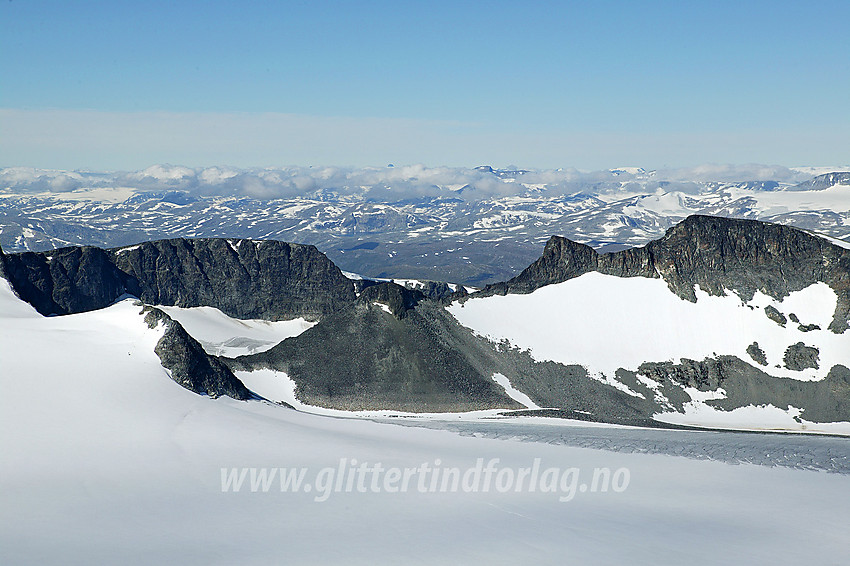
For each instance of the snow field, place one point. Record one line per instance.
(222, 335)
(106, 460)
(603, 323)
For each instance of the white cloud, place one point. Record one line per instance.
(732, 173)
(385, 184)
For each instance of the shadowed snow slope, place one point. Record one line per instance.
(106, 460)
(222, 335)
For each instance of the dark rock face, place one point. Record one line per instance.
(366, 358)
(67, 280)
(799, 357)
(562, 260)
(438, 290)
(189, 364)
(747, 256)
(757, 354)
(706, 375)
(242, 278)
(715, 253)
(775, 315)
(3, 273)
(827, 400)
(399, 299)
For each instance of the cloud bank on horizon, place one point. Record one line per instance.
(391, 183)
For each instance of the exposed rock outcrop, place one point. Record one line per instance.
(705, 375)
(827, 400)
(757, 354)
(774, 315)
(67, 280)
(366, 358)
(397, 298)
(715, 253)
(244, 279)
(799, 357)
(3, 265)
(188, 363)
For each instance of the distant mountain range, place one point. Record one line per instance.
(469, 226)
(719, 321)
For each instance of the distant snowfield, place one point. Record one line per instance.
(762, 204)
(768, 203)
(98, 194)
(820, 170)
(222, 335)
(108, 461)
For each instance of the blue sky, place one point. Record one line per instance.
(114, 85)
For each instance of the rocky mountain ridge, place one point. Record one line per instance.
(467, 226)
(381, 345)
(712, 252)
(825, 181)
(242, 278)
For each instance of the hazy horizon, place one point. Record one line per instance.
(542, 85)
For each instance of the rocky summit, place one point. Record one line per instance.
(242, 278)
(713, 253)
